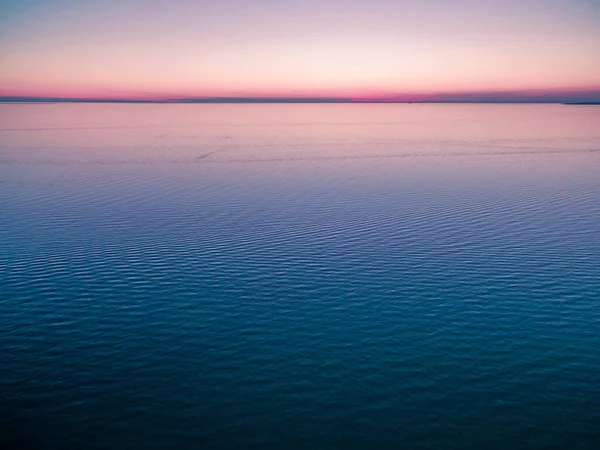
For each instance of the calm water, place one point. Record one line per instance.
(300, 276)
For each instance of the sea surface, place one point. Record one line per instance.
(359, 276)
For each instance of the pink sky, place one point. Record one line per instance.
(341, 48)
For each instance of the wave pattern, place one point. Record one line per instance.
(358, 303)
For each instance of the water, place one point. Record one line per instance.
(300, 276)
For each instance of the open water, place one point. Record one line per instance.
(300, 276)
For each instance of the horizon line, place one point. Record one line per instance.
(241, 100)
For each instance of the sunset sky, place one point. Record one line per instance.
(365, 49)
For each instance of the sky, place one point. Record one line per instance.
(364, 49)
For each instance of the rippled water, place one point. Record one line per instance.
(300, 276)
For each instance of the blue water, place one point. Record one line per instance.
(300, 276)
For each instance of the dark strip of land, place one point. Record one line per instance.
(24, 99)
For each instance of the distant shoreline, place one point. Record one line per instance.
(237, 100)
